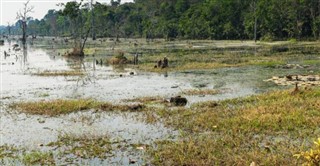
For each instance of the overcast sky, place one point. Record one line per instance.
(9, 8)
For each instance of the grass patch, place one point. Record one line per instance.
(184, 66)
(149, 100)
(267, 129)
(38, 158)
(12, 155)
(201, 92)
(84, 146)
(47, 73)
(268, 63)
(60, 106)
(311, 62)
(228, 54)
(7, 151)
(55, 107)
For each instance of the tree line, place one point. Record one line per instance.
(183, 19)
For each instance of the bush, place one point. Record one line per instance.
(268, 38)
(281, 48)
(292, 40)
(119, 58)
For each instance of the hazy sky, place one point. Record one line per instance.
(9, 8)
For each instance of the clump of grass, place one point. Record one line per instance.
(54, 107)
(203, 65)
(266, 129)
(47, 73)
(118, 58)
(184, 66)
(311, 62)
(60, 106)
(38, 158)
(268, 63)
(84, 146)
(201, 92)
(7, 151)
(151, 101)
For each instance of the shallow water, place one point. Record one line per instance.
(103, 82)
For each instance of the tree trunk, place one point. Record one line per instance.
(319, 16)
(24, 33)
(255, 28)
(92, 23)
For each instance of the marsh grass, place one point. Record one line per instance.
(48, 73)
(266, 129)
(54, 107)
(229, 55)
(311, 62)
(149, 100)
(61, 106)
(87, 147)
(38, 158)
(7, 151)
(201, 92)
(195, 54)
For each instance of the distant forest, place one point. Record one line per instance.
(183, 19)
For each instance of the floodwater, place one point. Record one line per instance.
(19, 82)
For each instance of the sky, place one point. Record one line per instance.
(9, 8)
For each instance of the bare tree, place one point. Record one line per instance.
(23, 16)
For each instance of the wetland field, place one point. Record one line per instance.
(247, 103)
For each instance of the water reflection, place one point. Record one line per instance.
(75, 63)
(165, 74)
(25, 57)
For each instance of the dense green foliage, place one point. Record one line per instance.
(190, 19)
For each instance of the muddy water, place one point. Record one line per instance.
(102, 82)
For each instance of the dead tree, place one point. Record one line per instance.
(23, 17)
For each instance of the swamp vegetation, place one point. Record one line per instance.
(270, 124)
(94, 84)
